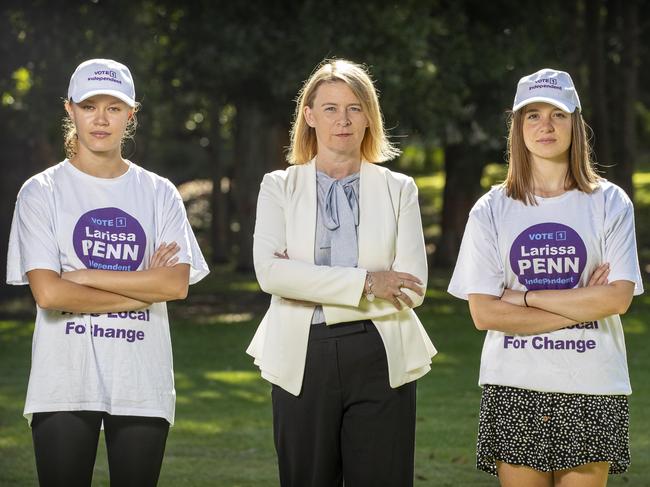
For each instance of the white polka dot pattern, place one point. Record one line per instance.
(551, 431)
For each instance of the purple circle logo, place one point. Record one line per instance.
(110, 239)
(548, 256)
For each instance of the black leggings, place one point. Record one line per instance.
(65, 445)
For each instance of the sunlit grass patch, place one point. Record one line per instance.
(233, 376)
(8, 325)
(250, 396)
(7, 441)
(444, 309)
(223, 434)
(437, 293)
(12, 330)
(250, 286)
(224, 280)
(442, 358)
(223, 318)
(198, 427)
(208, 394)
(183, 381)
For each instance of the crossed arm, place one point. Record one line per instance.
(550, 310)
(338, 289)
(99, 291)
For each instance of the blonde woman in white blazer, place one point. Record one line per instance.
(339, 246)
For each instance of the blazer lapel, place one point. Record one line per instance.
(302, 236)
(374, 215)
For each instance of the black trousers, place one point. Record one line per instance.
(347, 424)
(65, 445)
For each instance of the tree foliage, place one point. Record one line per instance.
(218, 81)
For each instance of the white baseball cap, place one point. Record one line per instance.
(102, 77)
(548, 86)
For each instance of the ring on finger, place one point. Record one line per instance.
(401, 284)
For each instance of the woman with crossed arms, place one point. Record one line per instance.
(103, 244)
(548, 262)
(339, 246)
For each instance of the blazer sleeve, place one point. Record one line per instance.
(410, 256)
(291, 278)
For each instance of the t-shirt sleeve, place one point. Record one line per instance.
(174, 227)
(478, 268)
(32, 240)
(620, 243)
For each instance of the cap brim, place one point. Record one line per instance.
(567, 107)
(117, 94)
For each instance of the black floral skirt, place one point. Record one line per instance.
(551, 431)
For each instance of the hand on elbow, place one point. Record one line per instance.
(417, 300)
(391, 286)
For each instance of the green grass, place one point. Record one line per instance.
(223, 434)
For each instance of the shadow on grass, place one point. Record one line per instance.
(223, 431)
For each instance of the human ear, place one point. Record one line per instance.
(309, 117)
(68, 108)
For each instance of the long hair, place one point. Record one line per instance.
(375, 146)
(519, 181)
(71, 142)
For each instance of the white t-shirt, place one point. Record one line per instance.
(555, 245)
(118, 362)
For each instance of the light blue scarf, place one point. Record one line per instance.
(339, 213)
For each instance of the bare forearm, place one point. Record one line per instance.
(152, 285)
(585, 303)
(495, 314)
(83, 299)
(52, 292)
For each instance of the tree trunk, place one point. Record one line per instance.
(220, 200)
(258, 149)
(597, 80)
(629, 71)
(463, 169)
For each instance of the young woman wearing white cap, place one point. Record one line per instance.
(103, 244)
(548, 262)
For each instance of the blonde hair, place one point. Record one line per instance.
(519, 181)
(375, 146)
(70, 140)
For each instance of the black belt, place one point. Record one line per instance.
(321, 331)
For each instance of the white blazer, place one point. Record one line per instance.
(389, 238)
